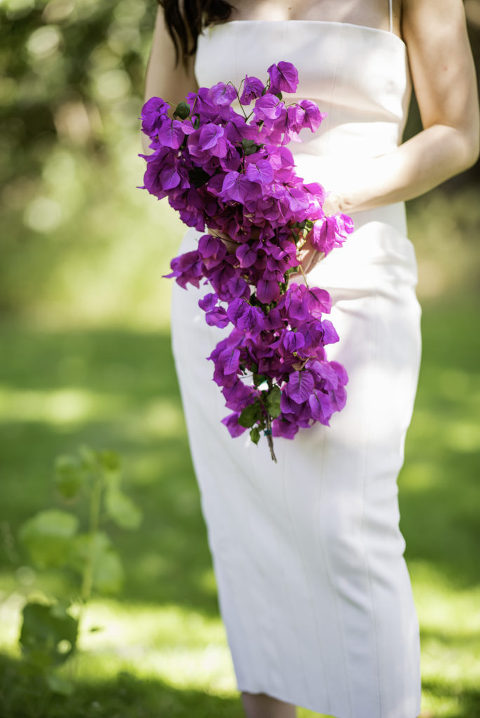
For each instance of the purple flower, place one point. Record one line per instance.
(284, 426)
(231, 422)
(319, 301)
(252, 88)
(154, 113)
(186, 268)
(331, 232)
(268, 107)
(300, 386)
(239, 188)
(210, 138)
(283, 77)
(312, 117)
(321, 406)
(208, 302)
(170, 134)
(222, 170)
(267, 291)
(260, 171)
(217, 317)
(293, 341)
(222, 94)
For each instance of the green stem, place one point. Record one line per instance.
(95, 503)
(269, 423)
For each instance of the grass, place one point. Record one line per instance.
(163, 650)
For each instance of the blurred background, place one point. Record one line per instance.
(86, 358)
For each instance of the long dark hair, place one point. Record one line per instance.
(185, 26)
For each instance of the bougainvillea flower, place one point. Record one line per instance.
(252, 88)
(283, 77)
(231, 175)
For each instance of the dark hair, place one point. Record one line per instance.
(184, 26)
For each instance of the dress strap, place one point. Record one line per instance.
(390, 14)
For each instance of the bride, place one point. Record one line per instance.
(308, 555)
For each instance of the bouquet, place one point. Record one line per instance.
(230, 173)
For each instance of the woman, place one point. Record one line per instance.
(313, 587)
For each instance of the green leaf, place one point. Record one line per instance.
(47, 636)
(89, 458)
(250, 146)
(182, 110)
(273, 401)
(109, 461)
(108, 574)
(48, 537)
(255, 434)
(69, 475)
(121, 509)
(258, 379)
(58, 684)
(107, 570)
(250, 414)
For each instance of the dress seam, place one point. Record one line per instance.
(329, 577)
(374, 344)
(307, 579)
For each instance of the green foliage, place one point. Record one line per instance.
(69, 476)
(48, 635)
(49, 632)
(250, 146)
(107, 573)
(182, 110)
(166, 619)
(273, 401)
(255, 434)
(250, 415)
(48, 536)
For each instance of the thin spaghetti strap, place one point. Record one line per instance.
(390, 12)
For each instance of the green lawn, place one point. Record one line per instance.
(162, 650)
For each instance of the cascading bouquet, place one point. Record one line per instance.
(232, 174)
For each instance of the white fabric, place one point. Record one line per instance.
(313, 586)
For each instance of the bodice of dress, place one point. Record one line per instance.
(357, 75)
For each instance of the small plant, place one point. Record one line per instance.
(55, 539)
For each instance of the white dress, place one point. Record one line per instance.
(313, 586)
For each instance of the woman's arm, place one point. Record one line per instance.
(443, 75)
(162, 78)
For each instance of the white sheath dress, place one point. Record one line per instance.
(313, 587)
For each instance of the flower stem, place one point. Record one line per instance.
(304, 276)
(270, 439)
(268, 431)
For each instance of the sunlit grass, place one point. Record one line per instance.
(163, 645)
(187, 650)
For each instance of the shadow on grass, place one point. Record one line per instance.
(467, 699)
(125, 696)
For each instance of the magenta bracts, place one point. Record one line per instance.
(230, 173)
